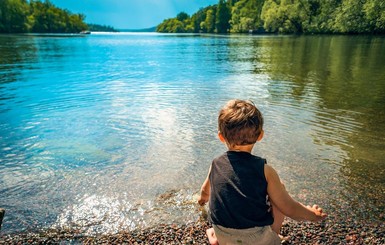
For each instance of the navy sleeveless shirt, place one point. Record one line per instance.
(238, 191)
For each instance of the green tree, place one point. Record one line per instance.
(374, 11)
(37, 16)
(222, 17)
(284, 16)
(97, 27)
(322, 15)
(172, 25)
(13, 16)
(182, 23)
(287, 16)
(197, 19)
(182, 16)
(246, 15)
(77, 23)
(45, 17)
(350, 17)
(209, 24)
(232, 2)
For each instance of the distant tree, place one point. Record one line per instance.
(209, 24)
(188, 26)
(222, 17)
(197, 19)
(182, 16)
(172, 25)
(283, 16)
(232, 2)
(37, 16)
(13, 16)
(96, 27)
(78, 23)
(350, 17)
(163, 27)
(246, 15)
(322, 15)
(366, 16)
(287, 16)
(375, 15)
(182, 23)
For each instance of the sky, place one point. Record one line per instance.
(131, 14)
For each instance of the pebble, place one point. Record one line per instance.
(332, 232)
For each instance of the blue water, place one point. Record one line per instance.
(111, 132)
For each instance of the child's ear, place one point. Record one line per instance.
(261, 135)
(221, 138)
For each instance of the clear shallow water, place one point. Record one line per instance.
(116, 131)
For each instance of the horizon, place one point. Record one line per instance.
(133, 14)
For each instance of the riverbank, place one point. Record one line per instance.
(328, 232)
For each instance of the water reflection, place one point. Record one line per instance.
(341, 80)
(94, 214)
(16, 54)
(110, 123)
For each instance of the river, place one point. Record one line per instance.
(114, 132)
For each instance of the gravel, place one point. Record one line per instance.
(330, 231)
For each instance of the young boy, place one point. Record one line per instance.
(247, 201)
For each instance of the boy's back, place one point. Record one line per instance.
(238, 184)
(238, 179)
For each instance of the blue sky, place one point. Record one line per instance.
(131, 14)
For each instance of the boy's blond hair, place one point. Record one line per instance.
(240, 122)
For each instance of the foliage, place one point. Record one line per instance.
(222, 18)
(96, 27)
(349, 17)
(375, 15)
(209, 24)
(202, 21)
(288, 16)
(198, 18)
(283, 16)
(360, 16)
(182, 16)
(246, 15)
(36, 16)
(13, 16)
(172, 25)
(320, 15)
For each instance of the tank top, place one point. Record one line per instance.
(238, 194)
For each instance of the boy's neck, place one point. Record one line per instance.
(242, 148)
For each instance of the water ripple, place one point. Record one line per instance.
(115, 132)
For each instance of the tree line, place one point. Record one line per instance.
(19, 16)
(97, 27)
(283, 16)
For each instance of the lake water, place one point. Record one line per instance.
(114, 132)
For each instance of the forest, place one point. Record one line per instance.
(234, 16)
(97, 27)
(20, 16)
(283, 16)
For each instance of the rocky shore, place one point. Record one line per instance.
(328, 232)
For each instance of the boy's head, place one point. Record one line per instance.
(240, 122)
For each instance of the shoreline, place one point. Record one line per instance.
(326, 232)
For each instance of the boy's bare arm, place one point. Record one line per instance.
(205, 191)
(285, 203)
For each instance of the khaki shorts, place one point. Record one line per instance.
(253, 236)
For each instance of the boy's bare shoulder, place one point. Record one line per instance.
(268, 168)
(269, 172)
